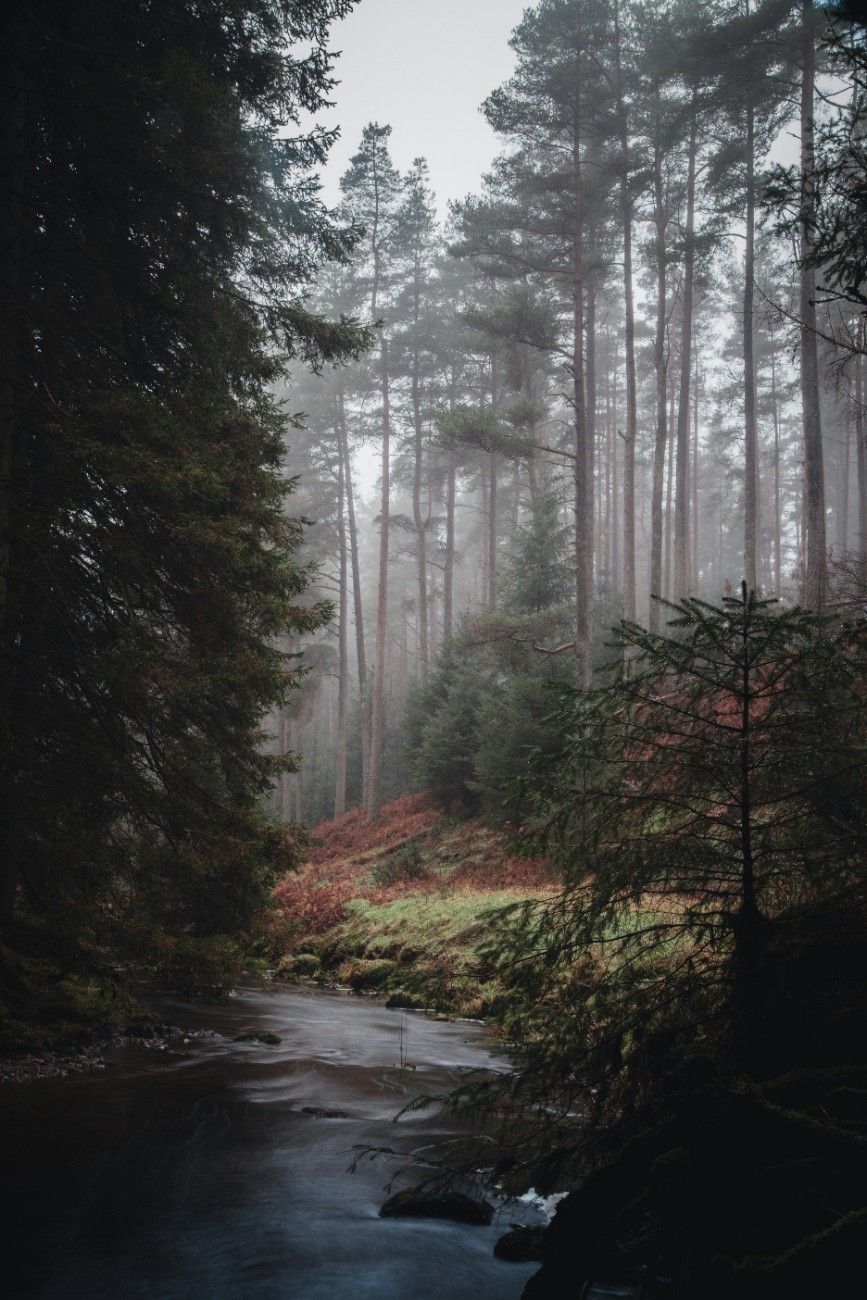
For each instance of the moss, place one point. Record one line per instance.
(299, 965)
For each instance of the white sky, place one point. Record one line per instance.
(424, 67)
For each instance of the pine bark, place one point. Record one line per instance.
(682, 567)
(629, 605)
(814, 585)
(377, 709)
(341, 748)
(661, 366)
(751, 433)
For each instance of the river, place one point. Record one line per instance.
(197, 1172)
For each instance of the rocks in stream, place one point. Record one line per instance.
(269, 1039)
(521, 1244)
(433, 1203)
(325, 1112)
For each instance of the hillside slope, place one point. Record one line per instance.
(399, 907)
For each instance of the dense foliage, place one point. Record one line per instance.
(160, 230)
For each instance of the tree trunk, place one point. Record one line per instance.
(693, 480)
(629, 606)
(682, 567)
(775, 407)
(377, 711)
(449, 572)
(492, 532)
(590, 408)
(861, 458)
(814, 585)
(421, 523)
(751, 459)
(661, 364)
(342, 648)
(669, 493)
(583, 453)
(358, 609)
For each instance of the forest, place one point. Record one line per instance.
(460, 604)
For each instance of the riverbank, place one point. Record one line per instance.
(400, 908)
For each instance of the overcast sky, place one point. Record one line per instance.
(423, 66)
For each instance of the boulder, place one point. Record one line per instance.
(521, 1244)
(434, 1203)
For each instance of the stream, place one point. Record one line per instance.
(197, 1172)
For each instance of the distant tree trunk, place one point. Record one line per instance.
(669, 492)
(432, 622)
(590, 390)
(751, 432)
(421, 523)
(449, 574)
(661, 364)
(775, 408)
(583, 454)
(843, 494)
(814, 586)
(682, 568)
(377, 711)
(342, 648)
(358, 609)
(492, 532)
(614, 461)
(861, 457)
(629, 606)
(693, 479)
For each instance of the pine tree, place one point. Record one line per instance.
(162, 234)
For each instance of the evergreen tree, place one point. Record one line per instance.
(159, 236)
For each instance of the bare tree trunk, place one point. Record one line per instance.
(751, 460)
(861, 458)
(358, 609)
(583, 452)
(590, 408)
(342, 648)
(377, 712)
(615, 485)
(682, 567)
(669, 493)
(661, 364)
(775, 407)
(421, 523)
(629, 606)
(449, 574)
(693, 479)
(814, 586)
(492, 532)
(843, 494)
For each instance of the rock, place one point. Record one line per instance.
(324, 1112)
(430, 1203)
(521, 1244)
(270, 1039)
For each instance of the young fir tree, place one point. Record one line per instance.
(703, 807)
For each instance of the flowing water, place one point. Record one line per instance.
(198, 1173)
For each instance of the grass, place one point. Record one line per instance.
(400, 907)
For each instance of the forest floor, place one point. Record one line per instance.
(399, 907)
